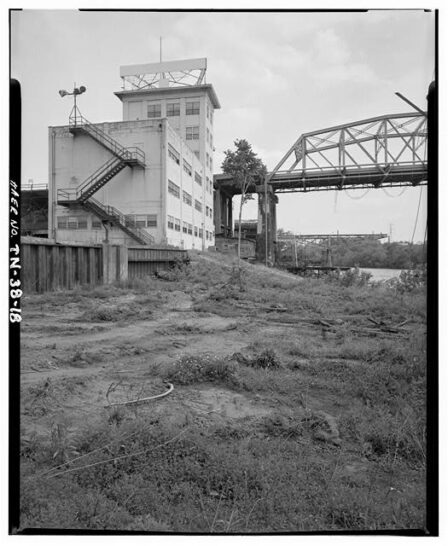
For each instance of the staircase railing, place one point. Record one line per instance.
(104, 170)
(132, 153)
(125, 222)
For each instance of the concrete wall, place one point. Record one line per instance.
(133, 190)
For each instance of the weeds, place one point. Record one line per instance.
(199, 369)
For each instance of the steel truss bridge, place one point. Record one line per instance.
(383, 151)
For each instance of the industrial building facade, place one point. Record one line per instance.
(144, 180)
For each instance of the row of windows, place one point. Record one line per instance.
(175, 223)
(141, 220)
(173, 109)
(132, 220)
(174, 189)
(72, 222)
(187, 228)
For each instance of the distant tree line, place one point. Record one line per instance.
(355, 252)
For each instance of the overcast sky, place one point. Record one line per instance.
(277, 75)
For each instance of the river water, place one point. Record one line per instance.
(382, 274)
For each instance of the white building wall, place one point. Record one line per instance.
(137, 191)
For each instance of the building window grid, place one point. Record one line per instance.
(173, 189)
(186, 198)
(192, 133)
(173, 109)
(187, 167)
(198, 178)
(174, 154)
(192, 108)
(72, 222)
(154, 111)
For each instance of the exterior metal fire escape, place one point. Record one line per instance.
(82, 195)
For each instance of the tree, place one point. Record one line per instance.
(245, 168)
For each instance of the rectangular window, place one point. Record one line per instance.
(184, 227)
(187, 168)
(151, 220)
(154, 110)
(201, 232)
(140, 220)
(195, 231)
(186, 197)
(176, 224)
(211, 116)
(206, 159)
(173, 189)
(72, 222)
(198, 205)
(170, 222)
(211, 141)
(192, 108)
(198, 178)
(196, 154)
(192, 133)
(174, 154)
(190, 229)
(96, 224)
(173, 109)
(208, 136)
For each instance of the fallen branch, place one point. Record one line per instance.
(139, 400)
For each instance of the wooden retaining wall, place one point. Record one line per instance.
(47, 265)
(143, 261)
(50, 266)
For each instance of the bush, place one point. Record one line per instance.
(198, 369)
(267, 359)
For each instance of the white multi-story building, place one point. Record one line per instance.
(148, 178)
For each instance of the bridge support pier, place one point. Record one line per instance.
(267, 226)
(223, 213)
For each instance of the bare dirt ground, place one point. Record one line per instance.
(291, 410)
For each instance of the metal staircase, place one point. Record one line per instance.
(132, 156)
(82, 195)
(107, 213)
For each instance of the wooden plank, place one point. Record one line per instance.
(55, 271)
(41, 284)
(91, 262)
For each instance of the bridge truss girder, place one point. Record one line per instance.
(384, 151)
